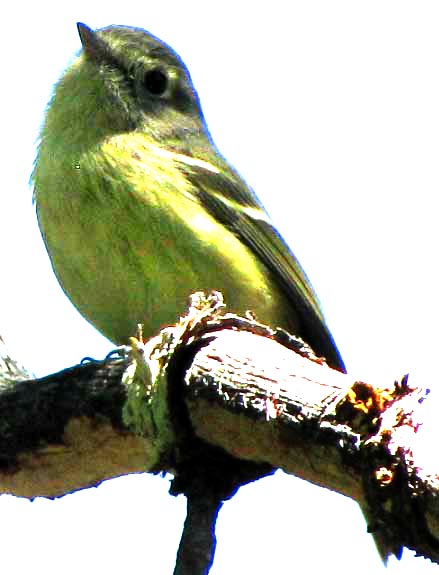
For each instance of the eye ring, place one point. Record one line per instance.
(156, 81)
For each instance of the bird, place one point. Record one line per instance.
(138, 208)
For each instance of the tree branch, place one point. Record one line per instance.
(64, 432)
(267, 403)
(220, 401)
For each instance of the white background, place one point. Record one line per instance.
(330, 111)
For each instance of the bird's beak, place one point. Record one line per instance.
(92, 44)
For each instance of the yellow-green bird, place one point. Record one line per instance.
(138, 209)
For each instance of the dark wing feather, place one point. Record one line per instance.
(229, 200)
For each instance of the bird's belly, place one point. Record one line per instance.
(122, 269)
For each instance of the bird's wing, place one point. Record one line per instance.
(226, 196)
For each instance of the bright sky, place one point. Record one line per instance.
(330, 111)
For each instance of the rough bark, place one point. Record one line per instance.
(235, 401)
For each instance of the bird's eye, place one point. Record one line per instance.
(156, 81)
